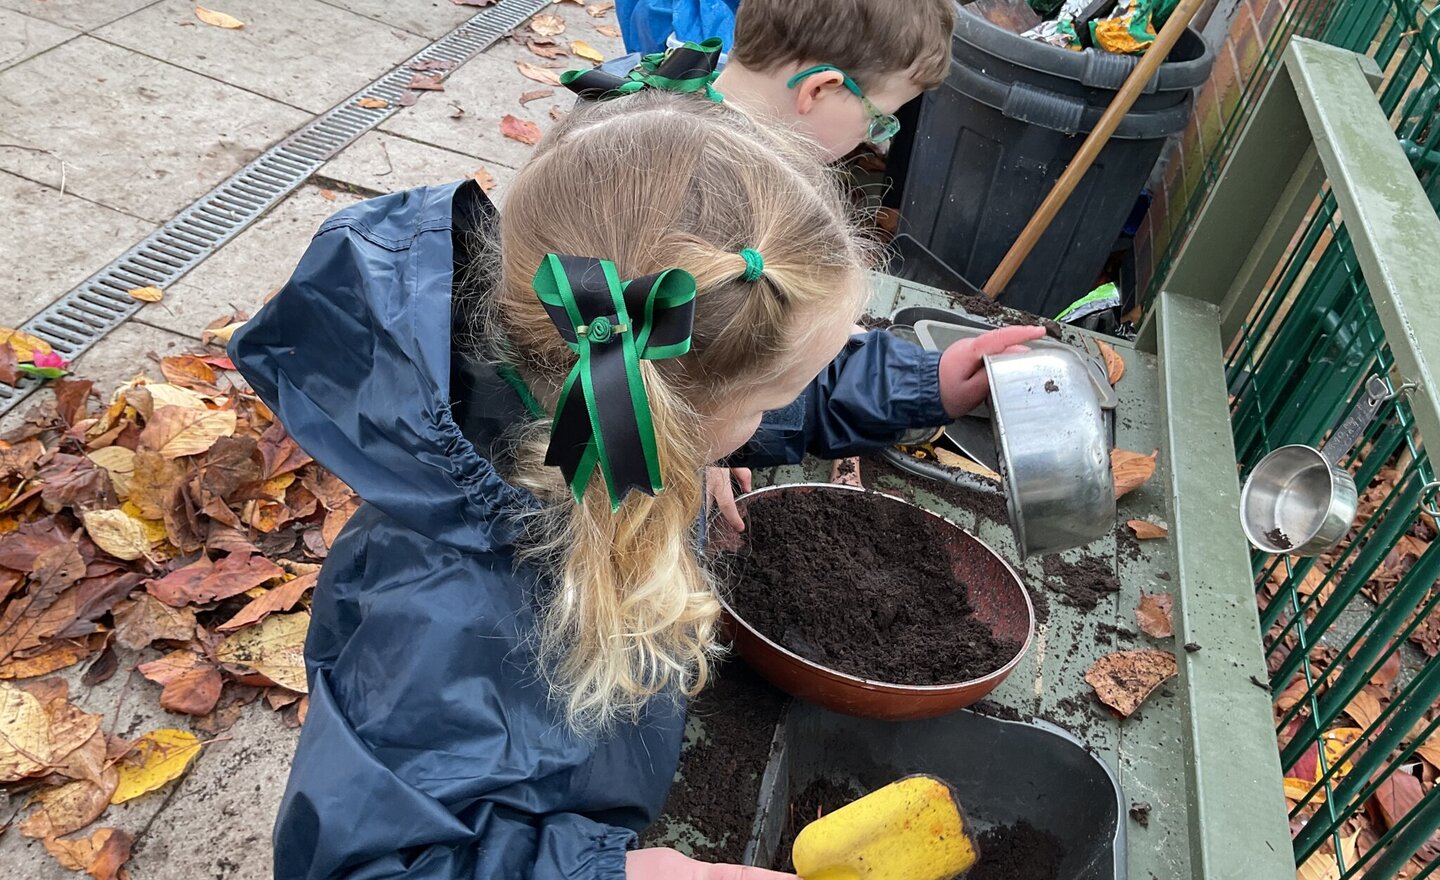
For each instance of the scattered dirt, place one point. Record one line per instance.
(845, 467)
(1083, 583)
(990, 506)
(1140, 812)
(1278, 538)
(718, 787)
(984, 307)
(874, 322)
(860, 584)
(992, 709)
(1105, 632)
(1051, 387)
(821, 797)
(1018, 852)
(1191, 647)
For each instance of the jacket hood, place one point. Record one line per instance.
(354, 357)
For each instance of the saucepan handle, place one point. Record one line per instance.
(1344, 438)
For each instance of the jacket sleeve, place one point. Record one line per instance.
(872, 393)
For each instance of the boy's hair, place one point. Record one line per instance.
(867, 39)
(652, 182)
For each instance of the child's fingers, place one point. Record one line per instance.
(1000, 339)
(744, 872)
(744, 477)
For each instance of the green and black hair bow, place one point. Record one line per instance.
(686, 69)
(603, 417)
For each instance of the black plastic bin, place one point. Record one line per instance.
(980, 153)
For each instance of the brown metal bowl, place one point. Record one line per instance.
(996, 593)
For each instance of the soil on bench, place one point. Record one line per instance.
(1018, 852)
(717, 790)
(820, 798)
(984, 307)
(990, 506)
(1083, 583)
(859, 583)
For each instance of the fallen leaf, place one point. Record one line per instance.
(276, 599)
(426, 83)
(1146, 530)
(147, 294)
(367, 104)
(176, 431)
(433, 64)
(194, 372)
(522, 130)
(535, 95)
(952, 460)
(153, 480)
(1131, 469)
(20, 459)
(1307, 772)
(119, 463)
(117, 533)
(557, 114)
(1320, 866)
(1364, 708)
(169, 667)
(484, 178)
(1397, 796)
(55, 569)
(1154, 615)
(62, 656)
(35, 735)
(203, 581)
(335, 521)
(608, 30)
(145, 619)
(586, 51)
(67, 808)
(159, 757)
(598, 9)
(1124, 679)
(275, 648)
(193, 692)
(539, 74)
(24, 344)
(456, 111)
(280, 454)
(1388, 671)
(480, 3)
(102, 668)
(9, 363)
(218, 19)
(72, 398)
(547, 25)
(547, 47)
(1114, 364)
(101, 855)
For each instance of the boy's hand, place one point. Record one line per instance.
(719, 490)
(667, 864)
(963, 384)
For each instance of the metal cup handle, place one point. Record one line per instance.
(1344, 438)
(1430, 498)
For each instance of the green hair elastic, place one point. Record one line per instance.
(754, 265)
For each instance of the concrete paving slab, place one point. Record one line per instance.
(245, 271)
(380, 162)
(428, 18)
(64, 238)
(124, 354)
(306, 53)
(134, 133)
(82, 15)
(23, 36)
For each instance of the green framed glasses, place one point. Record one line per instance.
(883, 126)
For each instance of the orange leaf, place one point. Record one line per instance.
(67, 808)
(1131, 469)
(147, 294)
(1155, 615)
(202, 581)
(1114, 364)
(1124, 679)
(608, 30)
(484, 178)
(101, 855)
(1146, 530)
(539, 74)
(193, 692)
(218, 19)
(277, 599)
(169, 667)
(372, 103)
(535, 95)
(1364, 709)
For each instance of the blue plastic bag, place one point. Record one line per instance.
(647, 24)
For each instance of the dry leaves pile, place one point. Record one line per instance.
(178, 520)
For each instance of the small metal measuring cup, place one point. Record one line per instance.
(1298, 500)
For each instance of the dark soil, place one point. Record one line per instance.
(1018, 852)
(1106, 632)
(1278, 538)
(874, 322)
(718, 785)
(1140, 812)
(1051, 387)
(1082, 583)
(984, 307)
(860, 584)
(845, 467)
(819, 798)
(992, 709)
(990, 506)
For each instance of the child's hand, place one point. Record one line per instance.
(963, 384)
(667, 864)
(719, 490)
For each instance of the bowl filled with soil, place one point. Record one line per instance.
(865, 604)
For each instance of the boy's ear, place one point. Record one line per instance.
(812, 88)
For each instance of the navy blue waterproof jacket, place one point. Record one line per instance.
(430, 750)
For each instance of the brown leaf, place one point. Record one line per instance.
(67, 808)
(535, 95)
(72, 398)
(61, 656)
(1388, 672)
(280, 454)
(522, 130)
(1364, 708)
(1123, 679)
(608, 30)
(147, 294)
(598, 9)
(547, 47)
(1114, 364)
(539, 74)
(55, 569)
(233, 462)
(557, 114)
(202, 581)
(275, 648)
(367, 104)
(433, 64)
(169, 667)
(176, 431)
(586, 51)
(152, 483)
(425, 83)
(480, 3)
(119, 463)
(547, 25)
(190, 371)
(21, 459)
(77, 482)
(336, 520)
(37, 735)
(276, 599)
(145, 619)
(20, 549)
(1155, 614)
(1146, 530)
(9, 365)
(102, 668)
(193, 692)
(328, 194)
(484, 178)
(218, 19)
(1396, 797)
(1131, 469)
(102, 855)
(117, 533)
(328, 488)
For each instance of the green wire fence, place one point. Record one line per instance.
(1352, 636)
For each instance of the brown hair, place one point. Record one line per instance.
(867, 39)
(651, 182)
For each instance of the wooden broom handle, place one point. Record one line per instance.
(1124, 99)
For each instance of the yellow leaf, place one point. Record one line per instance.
(176, 431)
(218, 19)
(117, 533)
(159, 757)
(165, 394)
(1146, 530)
(951, 460)
(1320, 866)
(224, 333)
(154, 528)
(1131, 469)
(36, 735)
(586, 51)
(147, 294)
(25, 345)
(119, 463)
(275, 648)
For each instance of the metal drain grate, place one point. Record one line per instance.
(102, 302)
